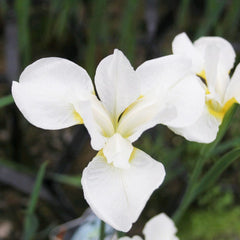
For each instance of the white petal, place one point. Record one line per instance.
(47, 91)
(118, 196)
(166, 96)
(188, 97)
(226, 51)
(212, 57)
(183, 46)
(160, 227)
(217, 74)
(204, 130)
(233, 90)
(97, 121)
(114, 237)
(131, 238)
(143, 114)
(219, 58)
(158, 75)
(118, 151)
(116, 83)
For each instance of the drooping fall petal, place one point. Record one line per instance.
(48, 90)
(117, 195)
(204, 130)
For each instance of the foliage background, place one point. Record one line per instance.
(85, 31)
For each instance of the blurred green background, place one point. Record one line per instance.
(86, 31)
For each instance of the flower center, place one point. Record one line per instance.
(215, 108)
(118, 150)
(218, 110)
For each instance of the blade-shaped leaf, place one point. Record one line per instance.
(213, 12)
(183, 13)
(31, 223)
(4, 101)
(218, 168)
(128, 29)
(95, 27)
(66, 179)
(23, 8)
(204, 155)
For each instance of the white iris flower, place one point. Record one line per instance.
(160, 227)
(212, 60)
(54, 93)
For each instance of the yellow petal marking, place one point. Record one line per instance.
(202, 75)
(217, 110)
(130, 107)
(100, 153)
(77, 117)
(132, 156)
(207, 91)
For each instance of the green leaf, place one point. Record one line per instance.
(30, 225)
(128, 29)
(204, 155)
(95, 27)
(60, 16)
(102, 231)
(22, 8)
(60, 178)
(212, 14)
(207, 149)
(231, 20)
(226, 145)
(4, 101)
(183, 13)
(31, 222)
(214, 173)
(65, 179)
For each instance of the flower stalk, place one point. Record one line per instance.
(102, 230)
(205, 153)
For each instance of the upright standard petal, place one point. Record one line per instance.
(47, 91)
(160, 227)
(226, 51)
(233, 90)
(116, 83)
(160, 74)
(170, 81)
(219, 57)
(217, 74)
(117, 196)
(183, 46)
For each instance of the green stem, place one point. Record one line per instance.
(204, 155)
(102, 230)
